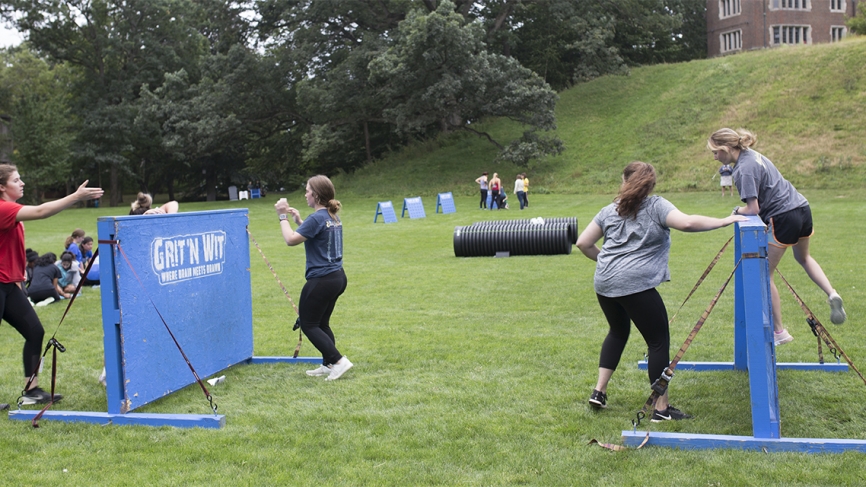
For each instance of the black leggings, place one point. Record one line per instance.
(647, 310)
(43, 294)
(315, 307)
(483, 203)
(18, 312)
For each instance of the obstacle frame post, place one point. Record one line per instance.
(754, 352)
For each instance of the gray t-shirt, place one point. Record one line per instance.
(634, 256)
(756, 177)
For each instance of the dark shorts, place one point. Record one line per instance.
(788, 228)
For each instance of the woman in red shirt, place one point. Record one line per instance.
(14, 307)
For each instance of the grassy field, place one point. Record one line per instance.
(469, 371)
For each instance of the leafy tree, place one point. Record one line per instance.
(206, 124)
(35, 96)
(439, 76)
(119, 47)
(563, 41)
(857, 23)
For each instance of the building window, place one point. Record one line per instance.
(837, 32)
(792, 34)
(729, 8)
(731, 41)
(837, 5)
(791, 4)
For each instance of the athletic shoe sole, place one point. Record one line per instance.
(837, 312)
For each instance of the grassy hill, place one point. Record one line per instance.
(807, 104)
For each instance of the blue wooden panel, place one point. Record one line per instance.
(215, 421)
(446, 202)
(386, 209)
(414, 206)
(194, 269)
(691, 441)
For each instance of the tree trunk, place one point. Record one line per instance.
(367, 142)
(210, 182)
(115, 187)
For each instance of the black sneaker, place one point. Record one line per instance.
(38, 396)
(669, 414)
(598, 399)
(3, 406)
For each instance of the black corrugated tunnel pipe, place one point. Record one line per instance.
(514, 238)
(572, 220)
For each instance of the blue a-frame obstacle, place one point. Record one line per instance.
(194, 268)
(754, 352)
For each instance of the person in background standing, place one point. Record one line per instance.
(482, 182)
(518, 190)
(725, 178)
(526, 190)
(495, 185)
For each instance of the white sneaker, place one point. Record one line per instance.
(320, 372)
(782, 337)
(339, 368)
(45, 302)
(837, 312)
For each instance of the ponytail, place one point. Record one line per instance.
(77, 233)
(639, 180)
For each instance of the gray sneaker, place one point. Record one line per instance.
(320, 372)
(837, 312)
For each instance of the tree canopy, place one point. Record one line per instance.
(195, 95)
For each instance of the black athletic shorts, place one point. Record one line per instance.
(788, 228)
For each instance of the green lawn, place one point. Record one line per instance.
(468, 371)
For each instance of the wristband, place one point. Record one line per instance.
(284, 218)
(736, 211)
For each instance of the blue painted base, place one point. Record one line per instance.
(711, 366)
(141, 419)
(284, 360)
(151, 419)
(691, 441)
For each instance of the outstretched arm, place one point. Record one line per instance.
(699, 223)
(83, 193)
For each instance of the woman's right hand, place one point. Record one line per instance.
(296, 215)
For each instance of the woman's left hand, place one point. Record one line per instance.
(282, 206)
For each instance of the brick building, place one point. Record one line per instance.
(740, 25)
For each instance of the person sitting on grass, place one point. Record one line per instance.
(45, 287)
(69, 273)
